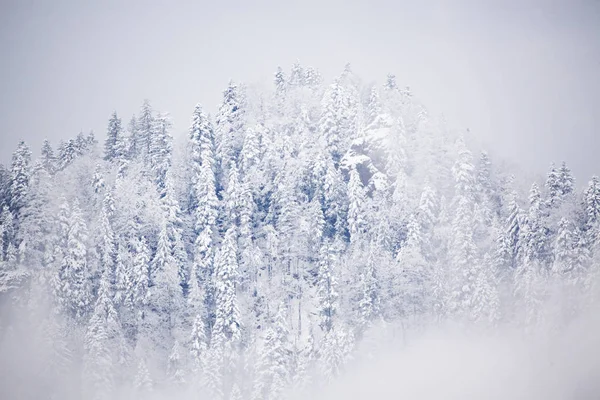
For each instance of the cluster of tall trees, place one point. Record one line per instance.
(256, 256)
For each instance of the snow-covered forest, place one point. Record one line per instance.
(281, 241)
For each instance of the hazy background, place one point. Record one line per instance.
(522, 75)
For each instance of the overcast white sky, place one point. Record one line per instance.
(523, 75)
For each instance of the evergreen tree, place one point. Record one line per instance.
(144, 134)
(159, 149)
(273, 367)
(135, 142)
(74, 291)
(142, 383)
(199, 347)
(107, 246)
(101, 338)
(98, 180)
(390, 83)
(230, 125)
(563, 248)
(20, 176)
(532, 237)
(464, 262)
(67, 153)
(464, 172)
(369, 303)
(280, 82)
(113, 140)
(312, 77)
(512, 232)
(250, 154)
(581, 257)
(374, 107)
(140, 275)
(297, 76)
(553, 186)
(48, 159)
(7, 233)
(335, 350)
(428, 208)
(485, 301)
(332, 120)
(226, 333)
(566, 181)
(175, 372)
(592, 206)
(165, 297)
(355, 209)
(327, 287)
(235, 394)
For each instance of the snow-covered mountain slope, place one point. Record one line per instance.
(263, 254)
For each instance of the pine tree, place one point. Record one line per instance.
(327, 287)
(204, 206)
(101, 339)
(144, 132)
(374, 107)
(107, 246)
(48, 159)
(369, 303)
(20, 176)
(592, 207)
(199, 347)
(355, 209)
(332, 120)
(334, 201)
(464, 260)
(235, 394)
(553, 186)
(563, 248)
(273, 366)
(428, 208)
(316, 224)
(280, 82)
(250, 154)
(67, 153)
(98, 182)
(140, 274)
(484, 301)
(312, 77)
(532, 236)
(230, 125)
(297, 76)
(512, 232)
(135, 143)
(581, 257)
(232, 196)
(390, 83)
(164, 297)
(335, 349)
(566, 181)
(415, 277)
(175, 372)
(175, 230)
(159, 150)
(74, 289)
(142, 383)
(226, 333)
(464, 172)
(204, 203)
(7, 232)
(123, 275)
(113, 140)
